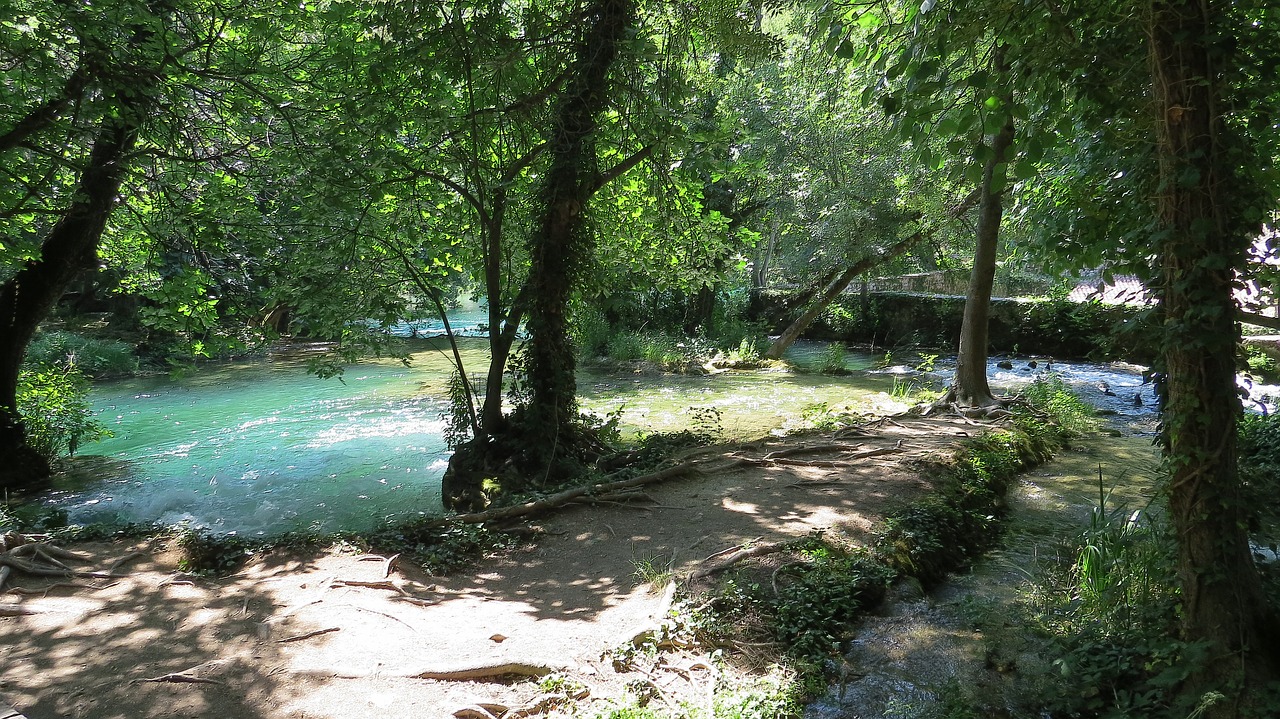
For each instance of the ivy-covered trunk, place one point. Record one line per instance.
(541, 440)
(29, 296)
(561, 243)
(1201, 239)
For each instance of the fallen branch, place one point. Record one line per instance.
(392, 617)
(180, 678)
(307, 635)
(368, 585)
(843, 461)
(487, 671)
(812, 449)
(569, 495)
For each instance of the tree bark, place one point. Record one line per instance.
(27, 298)
(561, 243)
(970, 387)
(1200, 242)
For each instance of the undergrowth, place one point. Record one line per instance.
(806, 605)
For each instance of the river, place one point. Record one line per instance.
(261, 447)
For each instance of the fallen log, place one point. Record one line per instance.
(569, 495)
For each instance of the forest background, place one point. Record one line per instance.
(216, 175)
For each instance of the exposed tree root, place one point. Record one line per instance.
(812, 449)
(568, 496)
(781, 459)
(36, 556)
(737, 556)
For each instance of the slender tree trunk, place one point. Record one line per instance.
(835, 286)
(27, 298)
(561, 243)
(801, 323)
(1200, 243)
(764, 256)
(971, 388)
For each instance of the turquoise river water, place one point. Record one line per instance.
(262, 447)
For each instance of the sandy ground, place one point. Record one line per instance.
(333, 634)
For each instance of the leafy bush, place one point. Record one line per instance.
(1051, 395)
(625, 347)
(1259, 453)
(211, 554)
(941, 533)
(54, 405)
(590, 331)
(833, 359)
(94, 357)
(438, 548)
(816, 601)
(1260, 363)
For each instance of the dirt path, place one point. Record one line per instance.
(334, 634)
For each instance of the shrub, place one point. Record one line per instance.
(833, 358)
(625, 347)
(54, 406)
(1259, 453)
(1050, 395)
(94, 357)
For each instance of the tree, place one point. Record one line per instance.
(1207, 212)
(962, 77)
(1170, 183)
(104, 83)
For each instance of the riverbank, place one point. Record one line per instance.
(583, 612)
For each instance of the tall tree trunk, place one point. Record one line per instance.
(1201, 241)
(560, 243)
(539, 442)
(30, 295)
(806, 318)
(971, 388)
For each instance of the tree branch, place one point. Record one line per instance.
(604, 178)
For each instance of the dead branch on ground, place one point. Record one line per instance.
(486, 671)
(307, 635)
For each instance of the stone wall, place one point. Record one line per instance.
(1056, 328)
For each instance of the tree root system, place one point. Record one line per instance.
(37, 556)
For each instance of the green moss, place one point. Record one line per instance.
(941, 534)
